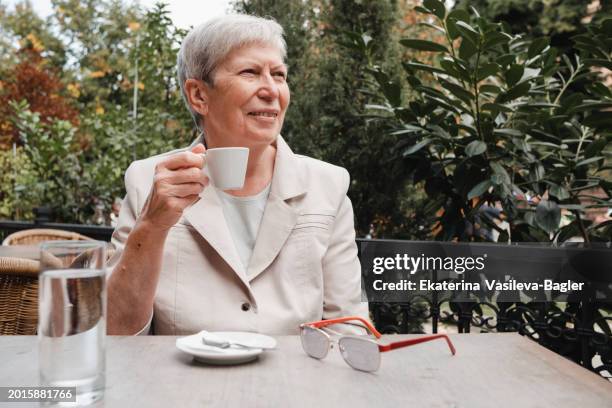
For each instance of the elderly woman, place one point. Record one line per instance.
(265, 258)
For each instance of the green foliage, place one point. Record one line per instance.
(113, 50)
(497, 125)
(558, 20)
(50, 148)
(17, 175)
(23, 26)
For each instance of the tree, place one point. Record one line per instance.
(22, 27)
(119, 61)
(34, 81)
(558, 19)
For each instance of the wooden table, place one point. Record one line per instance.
(489, 370)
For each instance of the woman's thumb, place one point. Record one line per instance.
(199, 148)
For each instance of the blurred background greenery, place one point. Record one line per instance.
(92, 87)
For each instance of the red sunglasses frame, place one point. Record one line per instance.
(383, 347)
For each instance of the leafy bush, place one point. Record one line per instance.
(16, 177)
(496, 121)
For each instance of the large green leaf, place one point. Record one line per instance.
(490, 89)
(506, 59)
(495, 107)
(548, 215)
(493, 39)
(406, 128)
(491, 108)
(486, 71)
(597, 146)
(500, 170)
(437, 7)
(393, 92)
(530, 106)
(514, 93)
(514, 74)
(558, 191)
(541, 135)
(589, 161)
(422, 67)
(601, 120)
(454, 69)
(422, 10)
(590, 105)
(479, 189)
(451, 20)
(529, 74)
(467, 31)
(467, 49)
(415, 148)
(458, 91)
(459, 15)
(423, 45)
(508, 132)
(435, 27)
(537, 46)
(475, 148)
(600, 90)
(446, 103)
(570, 230)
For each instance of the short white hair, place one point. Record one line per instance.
(206, 45)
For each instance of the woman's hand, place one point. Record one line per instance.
(177, 183)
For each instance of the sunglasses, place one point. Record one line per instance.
(361, 353)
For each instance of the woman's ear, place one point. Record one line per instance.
(197, 95)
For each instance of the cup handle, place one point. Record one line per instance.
(204, 167)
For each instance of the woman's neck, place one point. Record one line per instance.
(259, 171)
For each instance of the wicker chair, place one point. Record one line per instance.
(19, 282)
(18, 296)
(36, 236)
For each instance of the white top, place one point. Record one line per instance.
(243, 216)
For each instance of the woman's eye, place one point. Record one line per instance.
(280, 74)
(248, 72)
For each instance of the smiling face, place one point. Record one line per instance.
(247, 104)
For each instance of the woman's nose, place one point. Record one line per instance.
(269, 88)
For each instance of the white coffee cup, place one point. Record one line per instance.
(226, 166)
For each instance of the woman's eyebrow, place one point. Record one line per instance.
(244, 62)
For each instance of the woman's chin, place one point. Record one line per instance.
(261, 136)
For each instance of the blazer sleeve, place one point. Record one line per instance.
(341, 268)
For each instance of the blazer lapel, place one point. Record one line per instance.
(207, 217)
(279, 216)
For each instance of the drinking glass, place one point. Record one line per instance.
(72, 317)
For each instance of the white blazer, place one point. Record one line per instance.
(304, 265)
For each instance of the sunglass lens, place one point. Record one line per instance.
(314, 342)
(361, 354)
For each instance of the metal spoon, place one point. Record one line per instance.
(215, 341)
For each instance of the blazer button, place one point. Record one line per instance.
(246, 306)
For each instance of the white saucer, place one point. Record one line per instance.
(194, 346)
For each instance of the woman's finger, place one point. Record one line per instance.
(181, 160)
(188, 175)
(183, 190)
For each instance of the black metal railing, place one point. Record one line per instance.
(102, 233)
